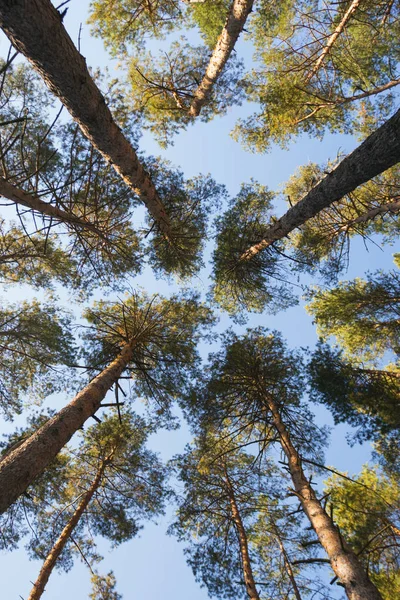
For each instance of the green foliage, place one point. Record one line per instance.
(235, 385)
(162, 88)
(210, 17)
(323, 242)
(254, 284)
(363, 315)
(364, 398)
(122, 22)
(166, 332)
(103, 587)
(36, 346)
(35, 259)
(367, 513)
(189, 204)
(345, 94)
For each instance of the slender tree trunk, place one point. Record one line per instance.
(53, 555)
(244, 546)
(343, 561)
(21, 466)
(332, 39)
(235, 22)
(392, 207)
(288, 564)
(18, 196)
(35, 29)
(379, 152)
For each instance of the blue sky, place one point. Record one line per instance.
(153, 565)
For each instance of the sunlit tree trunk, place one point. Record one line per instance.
(18, 196)
(332, 39)
(21, 466)
(379, 152)
(244, 546)
(235, 22)
(343, 561)
(65, 535)
(35, 29)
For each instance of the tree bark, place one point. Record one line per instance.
(21, 466)
(18, 196)
(244, 546)
(235, 22)
(344, 562)
(379, 152)
(332, 39)
(35, 29)
(288, 564)
(392, 207)
(53, 555)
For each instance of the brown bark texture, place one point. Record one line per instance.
(21, 466)
(235, 22)
(383, 209)
(332, 39)
(379, 152)
(244, 546)
(34, 27)
(53, 555)
(344, 562)
(19, 196)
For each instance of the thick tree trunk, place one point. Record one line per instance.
(53, 555)
(344, 562)
(332, 39)
(379, 152)
(21, 466)
(35, 29)
(18, 196)
(244, 546)
(235, 22)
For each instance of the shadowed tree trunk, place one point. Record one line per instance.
(35, 29)
(53, 555)
(379, 152)
(20, 467)
(243, 543)
(235, 22)
(344, 562)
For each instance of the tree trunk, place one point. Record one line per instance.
(244, 547)
(288, 564)
(379, 152)
(21, 466)
(235, 22)
(35, 29)
(332, 39)
(53, 555)
(18, 196)
(392, 207)
(343, 561)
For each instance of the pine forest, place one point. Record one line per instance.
(200, 299)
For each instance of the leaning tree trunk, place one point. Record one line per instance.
(53, 555)
(243, 543)
(332, 39)
(379, 152)
(35, 28)
(344, 562)
(33, 202)
(235, 22)
(21, 466)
